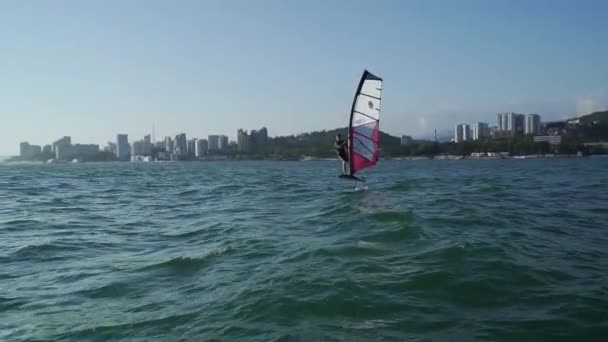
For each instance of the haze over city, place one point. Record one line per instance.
(91, 70)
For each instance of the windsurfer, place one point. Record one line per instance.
(341, 148)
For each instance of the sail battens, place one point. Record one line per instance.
(373, 97)
(364, 136)
(364, 125)
(369, 116)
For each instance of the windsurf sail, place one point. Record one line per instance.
(364, 126)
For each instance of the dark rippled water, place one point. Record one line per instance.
(269, 251)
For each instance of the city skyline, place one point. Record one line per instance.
(507, 124)
(168, 148)
(215, 66)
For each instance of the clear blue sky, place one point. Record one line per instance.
(91, 69)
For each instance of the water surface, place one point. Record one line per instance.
(286, 251)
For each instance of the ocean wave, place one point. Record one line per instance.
(206, 229)
(391, 216)
(116, 289)
(395, 234)
(183, 263)
(44, 251)
(352, 250)
(21, 223)
(8, 303)
(110, 332)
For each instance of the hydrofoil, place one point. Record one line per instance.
(351, 177)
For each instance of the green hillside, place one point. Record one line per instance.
(590, 128)
(597, 118)
(320, 143)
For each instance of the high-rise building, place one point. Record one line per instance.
(192, 147)
(513, 123)
(500, 122)
(223, 143)
(214, 142)
(258, 140)
(180, 147)
(27, 150)
(201, 147)
(63, 151)
(47, 149)
(466, 132)
(63, 141)
(533, 124)
(241, 138)
(520, 123)
(168, 145)
(138, 149)
(122, 146)
(147, 145)
(481, 131)
(458, 134)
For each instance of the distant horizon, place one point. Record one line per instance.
(233, 138)
(93, 69)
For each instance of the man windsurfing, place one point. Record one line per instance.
(342, 149)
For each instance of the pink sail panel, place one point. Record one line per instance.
(365, 147)
(364, 127)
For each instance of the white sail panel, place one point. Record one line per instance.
(361, 119)
(372, 88)
(368, 106)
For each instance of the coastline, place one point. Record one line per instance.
(7, 160)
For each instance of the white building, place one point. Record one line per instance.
(122, 147)
(551, 139)
(481, 131)
(533, 124)
(458, 133)
(462, 133)
(500, 122)
(513, 122)
(466, 132)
